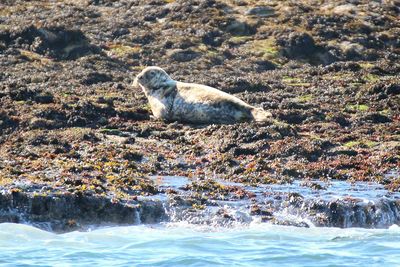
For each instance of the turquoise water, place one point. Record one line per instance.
(187, 245)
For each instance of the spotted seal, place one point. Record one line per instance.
(172, 100)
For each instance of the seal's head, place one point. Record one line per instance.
(152, 79)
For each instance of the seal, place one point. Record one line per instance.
(172, 100)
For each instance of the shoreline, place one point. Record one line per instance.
(292, 205)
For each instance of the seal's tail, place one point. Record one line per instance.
(261, 115)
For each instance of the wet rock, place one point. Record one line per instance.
(22, 93)
(292, 117)
(86, 113)
(352, 51)
(145, 132)
(341, 151)
(257, 210)
(342, 66)
(340, 119)
(239, 28)
(290, 223)
(133, 156)
(226, 147)
(168, 135)
(261, 11)
(313, 185)
(213, 38)
(135, 115)
(346, 9)
(237, 151)
(181, 55)
(393, 89)
(297, 45)
(39, 140)
(241, 85)
(7, 123)
(264, 65)
(46, 98)
(52, 114)
(55, 42)
(96, 77)
(384, 88)
(120, 32)
(37, 123)
(347, 214)
(376, 118)
(292, 173)
(144, 38)
(91, 137)
(295, 198)
(60, 210)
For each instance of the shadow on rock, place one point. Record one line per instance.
(55, 42)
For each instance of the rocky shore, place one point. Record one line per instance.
(78, 146)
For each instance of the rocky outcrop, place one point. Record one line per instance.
(63, 213)
(219, 205)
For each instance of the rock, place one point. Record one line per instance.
(346, 10)
(241, 85)
(375, 117)
(135, 115)
(55, 42)
(37, 123)
(6, 123)
(213, 38)
(240, 28)
(52, 114)
(261, 11)
(393, 89)
(292, 117)
(132, 156)
(44, 98)
(347, 152)
(120, 32)
(297, 45)
(264, 65)
(287, 222)
(352, 51)
(343, 66)
(59, 211)
(341, 120)
(385, 89)
(237, 151)
(181, 55)
(91, 137)
(22, 94)
(96, 77)
(85, 112)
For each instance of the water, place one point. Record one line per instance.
(334, 189)
(336, 203)
(181, 244)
